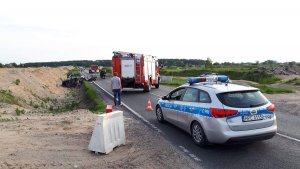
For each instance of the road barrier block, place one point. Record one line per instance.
(108, 133)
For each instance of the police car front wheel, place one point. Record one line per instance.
(198, 134)
(159, 114)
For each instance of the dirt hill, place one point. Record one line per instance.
(31, 87)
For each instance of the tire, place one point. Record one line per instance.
(157, 85)
(148, 88)
(159, 114)
(198, 134)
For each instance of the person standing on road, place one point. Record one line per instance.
(116, 87)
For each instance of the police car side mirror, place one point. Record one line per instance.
(165, 98)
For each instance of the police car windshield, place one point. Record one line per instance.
(242, 99)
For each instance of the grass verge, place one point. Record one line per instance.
(273, 90)
(175, 82)
(295, 81)
(233, 73)
(98, 106)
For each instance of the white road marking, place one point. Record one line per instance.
(190, 154)
(132, 111)
(288, 137)
(156, 95)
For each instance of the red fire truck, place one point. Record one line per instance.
(136, 70)
(94, 69)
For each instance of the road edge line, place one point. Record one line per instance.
(131, 110)
(288, 137)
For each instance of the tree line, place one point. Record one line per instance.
(208, 63)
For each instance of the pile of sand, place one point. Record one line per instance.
(36, 84)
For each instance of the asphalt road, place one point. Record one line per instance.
(278, 152)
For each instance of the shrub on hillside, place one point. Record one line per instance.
(97, 102)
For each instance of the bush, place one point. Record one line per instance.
(7, 97)
(71, 106)
(17, 82)
(97, 102)
(36, 106)
(19, 111)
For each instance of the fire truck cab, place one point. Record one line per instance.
(136, 70)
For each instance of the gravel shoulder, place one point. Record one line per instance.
(61, 141)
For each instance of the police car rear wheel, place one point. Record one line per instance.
(159, 115)
(198, 134)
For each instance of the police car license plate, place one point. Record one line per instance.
(254, 117)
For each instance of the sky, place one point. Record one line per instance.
(224, 31)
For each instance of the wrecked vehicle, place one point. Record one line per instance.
(73, 81)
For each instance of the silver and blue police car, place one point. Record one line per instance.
(213, 110)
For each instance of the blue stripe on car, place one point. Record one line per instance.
(201, 111)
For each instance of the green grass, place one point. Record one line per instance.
(263, 88)
(175, 82)
(74, 71)
(19, 111)
(9, 119)
(233, 73)
(295, 81)
(98, 105)
(273, 90)
(7, 97)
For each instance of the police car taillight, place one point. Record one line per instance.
(271, 108)
(220, 113)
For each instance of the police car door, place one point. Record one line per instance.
(174, 104)
(188, 107)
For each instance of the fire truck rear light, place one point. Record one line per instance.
(271, 108)
(221, 113)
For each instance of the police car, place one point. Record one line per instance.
(213, 110)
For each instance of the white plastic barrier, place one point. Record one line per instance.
(108, 133)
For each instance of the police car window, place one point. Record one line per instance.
(204, 97)
(176, 95)
(191, 95)
(242, 99)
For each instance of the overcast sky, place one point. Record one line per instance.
(223, 30)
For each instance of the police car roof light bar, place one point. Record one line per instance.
(207, 78)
